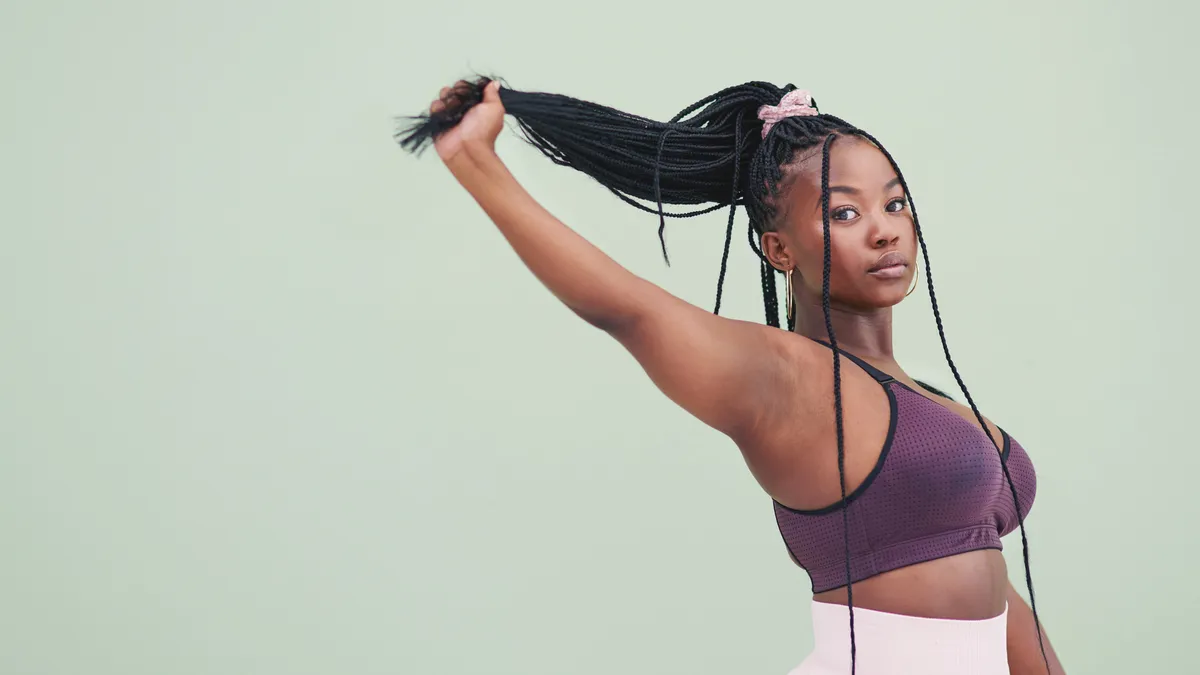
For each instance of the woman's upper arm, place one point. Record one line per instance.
(732, 375)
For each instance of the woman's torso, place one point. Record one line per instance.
(938, 471)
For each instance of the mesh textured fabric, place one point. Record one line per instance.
(937, 490)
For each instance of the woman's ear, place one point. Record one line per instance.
(776, 251)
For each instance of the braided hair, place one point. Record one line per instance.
(715, 153)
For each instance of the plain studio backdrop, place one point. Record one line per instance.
(276, 398)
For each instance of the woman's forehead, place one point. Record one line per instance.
(856, 166)
(853, 162)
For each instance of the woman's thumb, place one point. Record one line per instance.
(491, 93)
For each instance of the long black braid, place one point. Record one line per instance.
(937, 316)
(826, 268)
(713, 153)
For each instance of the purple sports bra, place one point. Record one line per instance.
(937, 490)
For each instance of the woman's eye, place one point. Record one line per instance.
(844, 213)
(896, 206)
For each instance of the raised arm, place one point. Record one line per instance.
(724, 372)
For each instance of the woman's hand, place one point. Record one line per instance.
(478, 128)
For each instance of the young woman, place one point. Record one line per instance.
(897, 517)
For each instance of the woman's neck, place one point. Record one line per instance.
(866, 333)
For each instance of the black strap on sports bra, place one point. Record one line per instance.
(880, 376)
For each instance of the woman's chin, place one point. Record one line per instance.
(885, 298)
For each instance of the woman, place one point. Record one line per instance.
(899, 529)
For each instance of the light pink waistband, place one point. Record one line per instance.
(894, 644)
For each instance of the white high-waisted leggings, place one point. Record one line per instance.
(894, 644)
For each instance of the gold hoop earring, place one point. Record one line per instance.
(791, 303)
(916, 275)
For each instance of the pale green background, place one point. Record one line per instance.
(275, 398)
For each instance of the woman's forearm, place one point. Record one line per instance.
(582, 276)
(1024, 652)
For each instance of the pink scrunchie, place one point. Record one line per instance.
(796, 103)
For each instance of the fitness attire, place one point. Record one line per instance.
(937, 490)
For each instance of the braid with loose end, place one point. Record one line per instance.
(937, 316)
(714, 153)
(826, 270)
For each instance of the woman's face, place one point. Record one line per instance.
(872, 238)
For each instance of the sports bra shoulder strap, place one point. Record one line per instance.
(871, 370)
